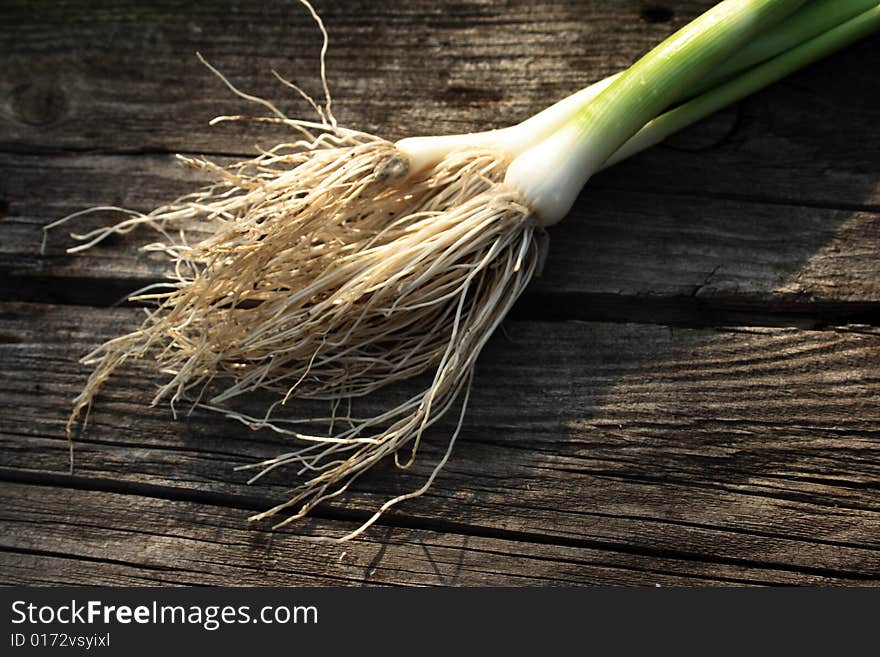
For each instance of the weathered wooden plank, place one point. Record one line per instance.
(92, 537)
(755, 447)
(82, 75)
(619, 246)
(87, 76)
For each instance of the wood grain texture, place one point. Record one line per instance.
(674, 252)
(425, 67)
(689, 394)
(93, 537)
(124, 78)
(755, 447)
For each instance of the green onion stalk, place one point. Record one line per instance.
(343, 268)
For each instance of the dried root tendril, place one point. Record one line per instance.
(328, 272)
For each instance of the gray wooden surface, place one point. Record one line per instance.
(689, 395)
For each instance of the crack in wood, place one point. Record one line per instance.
(398, 520)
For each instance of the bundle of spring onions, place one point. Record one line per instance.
(341, 262)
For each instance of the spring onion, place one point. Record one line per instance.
(340, 263)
